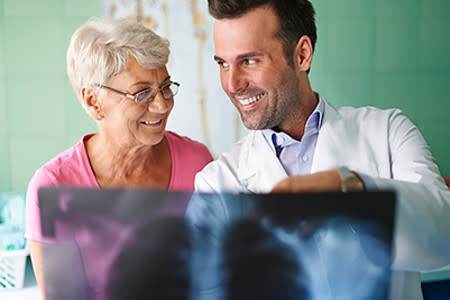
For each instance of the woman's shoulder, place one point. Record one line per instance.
(188, 158)
(185, 144)
(66, 166)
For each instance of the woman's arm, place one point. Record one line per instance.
(57, 261)
(36, 259)
(59, 271)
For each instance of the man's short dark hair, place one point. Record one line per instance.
(296, 18)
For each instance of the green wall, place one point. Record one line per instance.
(39, 113)
(386, 53)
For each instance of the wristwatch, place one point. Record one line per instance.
(350, 182)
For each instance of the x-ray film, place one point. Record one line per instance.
(147, 244)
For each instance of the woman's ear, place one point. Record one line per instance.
(92, 103)
(303, 53)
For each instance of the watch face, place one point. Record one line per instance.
(350, 182)
(353, 184)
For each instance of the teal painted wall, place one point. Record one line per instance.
(39, 113)
(386, 53)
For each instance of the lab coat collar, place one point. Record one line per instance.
(259, 168)
(328, 139)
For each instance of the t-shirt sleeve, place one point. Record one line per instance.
(204, 157)
(188, 158)
(33, 229)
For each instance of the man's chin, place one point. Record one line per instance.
(252, 125)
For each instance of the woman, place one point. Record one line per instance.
(117, 69)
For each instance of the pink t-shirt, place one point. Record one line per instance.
(72, 168)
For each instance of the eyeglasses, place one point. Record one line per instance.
(148, 95)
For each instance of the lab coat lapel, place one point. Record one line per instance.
(328, 143)
(259, 168)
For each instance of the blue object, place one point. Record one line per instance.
(12, 221)
(437, 290)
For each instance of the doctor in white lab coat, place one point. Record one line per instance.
(381, 144)
(382, 149)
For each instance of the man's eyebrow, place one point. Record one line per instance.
(248, 54)
(240, 56)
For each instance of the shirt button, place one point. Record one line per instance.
(304, 157)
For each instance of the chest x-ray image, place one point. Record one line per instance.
(147, 244)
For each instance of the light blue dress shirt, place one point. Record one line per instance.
(297, 156)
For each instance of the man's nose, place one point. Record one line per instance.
(237, 80)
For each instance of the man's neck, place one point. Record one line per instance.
(296, 126)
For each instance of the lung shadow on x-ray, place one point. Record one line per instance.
(154, 262)
(343, 240)
(258, 265)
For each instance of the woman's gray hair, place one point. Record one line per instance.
(101, 48)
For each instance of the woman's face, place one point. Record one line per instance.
(127, 122)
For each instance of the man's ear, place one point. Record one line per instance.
(92, 103)
(303, 53)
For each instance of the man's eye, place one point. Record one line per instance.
(249, 61)
(223, 64)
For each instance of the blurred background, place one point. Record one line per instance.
(385, 53)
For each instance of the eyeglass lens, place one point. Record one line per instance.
(167, 91)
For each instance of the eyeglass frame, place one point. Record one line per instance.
(150, 98)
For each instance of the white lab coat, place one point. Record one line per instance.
(382, 144)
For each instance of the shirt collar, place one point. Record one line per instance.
(313, 125)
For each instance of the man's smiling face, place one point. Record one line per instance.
(253, 69)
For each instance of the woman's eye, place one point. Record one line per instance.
(143, 93)
(146, 93)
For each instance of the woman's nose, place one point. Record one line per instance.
(160, 104)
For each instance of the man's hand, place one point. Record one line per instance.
(326, 181)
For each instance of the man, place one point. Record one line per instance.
(299, 143)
